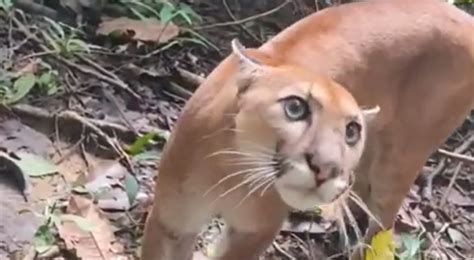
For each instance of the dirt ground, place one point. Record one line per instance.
(86, 111)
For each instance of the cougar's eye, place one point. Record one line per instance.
(295, 108)
(353, 133)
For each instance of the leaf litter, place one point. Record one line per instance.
(92, 237)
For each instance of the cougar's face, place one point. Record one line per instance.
(304, 133)
(311, 133)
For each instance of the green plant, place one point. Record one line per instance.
(6, 5)
(62, 40)
(48, 80)
(13, 89)
(44, 237)
(166, 12)
(163, 10)
(140, 143)
(409, 247)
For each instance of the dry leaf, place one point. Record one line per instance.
(99, 243)
(148, 30)
(107, 185)
(458, 198)
(382, 246)
(30, 67)
(406, 221)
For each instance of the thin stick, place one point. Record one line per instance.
(241, 21)
(451, 183)
(229, 12)
(283, 252)
(457, 156)
(428, 190)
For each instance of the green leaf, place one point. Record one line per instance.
(131, 187)
(53, 43)
(43, 238)
(34, 165)
(187, 9)
(45, 79)
(137, 13)
(4, 93)
(166, 13)
(22, 87)
(6, 5)
(81, 222)
(5, 77)
(76, 45)
(142, 5)
(52, 89)
(48, 83)
(139, 145)
(410, 247)
(185, 16)
(58, 30)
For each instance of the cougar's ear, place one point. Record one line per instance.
(370, 113)
(248, 68)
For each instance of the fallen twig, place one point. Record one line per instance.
(114, 102)
(283, 252)
(182, 92)
(98, 67)
(122, 132)
(451, 183)
(71, 151)
(113, 81)
(70, 89)
(192, 79)
(428, 189)
(68, 116)
(229, 12)
(248, 19)
(179, 91)
(457, 156)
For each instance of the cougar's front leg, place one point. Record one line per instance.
(250, 230)
(172, 225)
(162, 242)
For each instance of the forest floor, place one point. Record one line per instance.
(86, 109)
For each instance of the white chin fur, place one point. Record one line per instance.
(297, 188)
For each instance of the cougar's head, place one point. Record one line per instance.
(304, 132)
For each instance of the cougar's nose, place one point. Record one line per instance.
(322, 171)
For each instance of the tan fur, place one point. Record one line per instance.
(415, 59)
